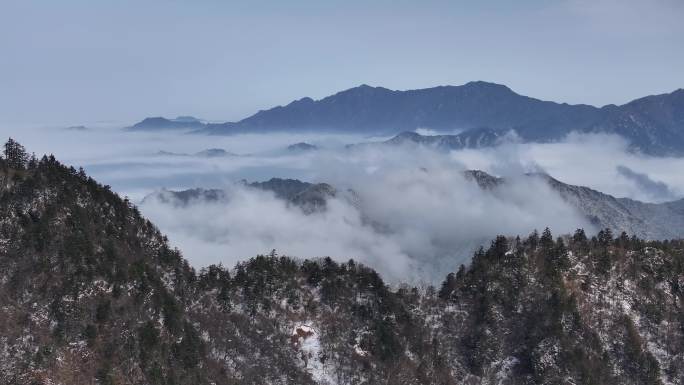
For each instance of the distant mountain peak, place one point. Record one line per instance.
(303, 101)
(473, 138)
(186, 118)
(652, 125)
(310, 197)
(301, 147)
(366, 87)
(214, 153)
(487, 85)
(410, 135)
(155, 119)
(159, 123)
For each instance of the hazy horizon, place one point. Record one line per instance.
(77, 63)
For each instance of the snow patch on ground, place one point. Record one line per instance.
(307, 339)
(505, 368)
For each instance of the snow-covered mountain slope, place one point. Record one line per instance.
(90, 292)
(645, 220)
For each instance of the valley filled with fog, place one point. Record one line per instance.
(342, 192)
(408, 211)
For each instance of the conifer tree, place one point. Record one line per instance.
(579, 241)
(546, 240)
(605, 237)
(560, 253)
(622, 240)
(447, 286)
(579, 237)
(533, 239)
(15, 154)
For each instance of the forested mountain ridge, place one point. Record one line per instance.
(91, 293)
(85, 282)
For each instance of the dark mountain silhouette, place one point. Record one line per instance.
(653, 124)
(310, 197)
(646, 220)
(160, 124)
(367, 109)
(301, 147)
(475, 138)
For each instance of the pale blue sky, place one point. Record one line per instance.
(74, 62)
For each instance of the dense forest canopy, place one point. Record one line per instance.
(92, 293)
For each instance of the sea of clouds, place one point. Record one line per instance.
(416, 217)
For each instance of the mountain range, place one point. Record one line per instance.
(91, 292)
(652, 124)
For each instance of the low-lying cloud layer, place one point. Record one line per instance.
(417, 217)
(658, 191)
(411, 223)
(587, 160)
